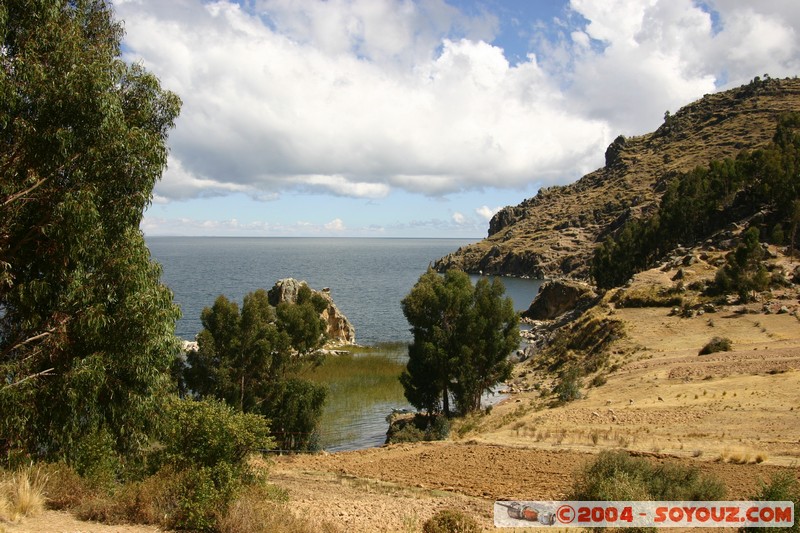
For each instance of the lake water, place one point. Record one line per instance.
(368, 278)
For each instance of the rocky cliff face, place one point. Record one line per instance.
(554, 233)
(340, 331)
(558, 297)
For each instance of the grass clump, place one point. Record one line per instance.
(450, 521)
(650, 296)
(717, 344)
(263, 509)
(22, 494)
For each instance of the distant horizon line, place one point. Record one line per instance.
(302, 237)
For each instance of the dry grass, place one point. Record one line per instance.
(741, 457)
(260, 508)
(65, 488)
(257, 512)
(22, 494)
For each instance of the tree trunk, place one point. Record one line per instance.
(241, 395)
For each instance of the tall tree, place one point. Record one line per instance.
(491, 335)
(249, 358)
(462, 336)
(86, 328)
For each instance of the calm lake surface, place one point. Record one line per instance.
(368, 278)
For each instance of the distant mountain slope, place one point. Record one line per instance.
(554, 233)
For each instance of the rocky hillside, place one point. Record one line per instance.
(554, 233)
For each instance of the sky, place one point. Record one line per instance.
(421, 118)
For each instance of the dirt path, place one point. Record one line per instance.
(61, 522)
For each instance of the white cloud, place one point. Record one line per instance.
(341, 186)
(359, 97)
(650, 56)
(458, 218)
(188, 226)
(156, 225)
(352, 98)
(647, 59)
(335, 225)
(486, 212)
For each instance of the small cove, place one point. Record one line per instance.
(368, 279)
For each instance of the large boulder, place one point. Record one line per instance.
(557, 297)
(339, 329)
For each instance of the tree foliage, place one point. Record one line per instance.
(462, 337)
(705, 200)
(743, 271)
(249, 359)
(86, 328)
(204, 460)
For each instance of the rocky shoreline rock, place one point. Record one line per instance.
(557, 297)
(339, 329)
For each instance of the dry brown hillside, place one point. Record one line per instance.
(554, 233)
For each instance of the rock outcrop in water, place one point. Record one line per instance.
(339, 329)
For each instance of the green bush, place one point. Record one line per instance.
(569, 385)
(777, 235)
(95, 459)
(438, 429)
(204, 495)
(207, 443)
(744, 272)
(408, 433)
(201, 468)
(419, 428)
(782, 487)
(209, 432)
(599, 380)
(615, 475)
(717, 344)
(450, 521)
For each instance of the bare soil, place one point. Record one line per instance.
(390, 488)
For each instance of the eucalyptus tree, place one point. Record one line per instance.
(86, 327)
(462, 337)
